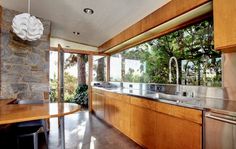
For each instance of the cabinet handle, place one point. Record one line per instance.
(220, 119)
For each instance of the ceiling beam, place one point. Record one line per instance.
(77, 51)
(169, 11)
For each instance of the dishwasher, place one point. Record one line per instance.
(220, 131)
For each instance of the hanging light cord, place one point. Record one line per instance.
(29, 6)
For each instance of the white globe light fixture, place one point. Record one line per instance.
(27, 27)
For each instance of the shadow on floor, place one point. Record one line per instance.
(82, 131)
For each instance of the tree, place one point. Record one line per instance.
(78, 95)
(193, 44)
(80, 60)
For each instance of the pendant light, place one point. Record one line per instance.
(27, 27)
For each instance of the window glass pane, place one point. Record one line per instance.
(115, 68)
(193, 47)
(99, 68)
(70, 76)
(53, 73)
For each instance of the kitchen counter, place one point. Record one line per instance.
(227, 107)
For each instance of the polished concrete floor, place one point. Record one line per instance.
(83, 131)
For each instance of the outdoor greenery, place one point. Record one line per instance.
(99, 69)
(192, 46)
(70, 84)
(75, 88)
(81, 95)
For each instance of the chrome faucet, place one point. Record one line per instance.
(177, 73)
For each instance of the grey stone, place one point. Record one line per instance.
(39, 87)
(23, 95)
(31, 78)
(19, 87)
(23, 69)
(35, 59)
(14, 60)
(25, 65)
(10, 78)
(36, 95)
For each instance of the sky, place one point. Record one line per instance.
(54, 65)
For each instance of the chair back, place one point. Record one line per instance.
(28, 101)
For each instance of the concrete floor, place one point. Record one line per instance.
(82, 131)
(85, 131)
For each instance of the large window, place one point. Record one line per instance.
(193, 47)
(99, 68)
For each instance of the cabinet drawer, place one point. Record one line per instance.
(111, 95)
(180, 112)
(188, 114)
(141, 102)
(124, 98)
(164, 108)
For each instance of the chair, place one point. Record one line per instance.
(31, 128)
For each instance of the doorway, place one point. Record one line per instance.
(75, 80)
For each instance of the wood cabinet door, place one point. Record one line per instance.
(176, 133)
(106, 106)
(224, 24)
(110, 110)
(143, 126)
(94, 102)
(100, 105)
(123, 117)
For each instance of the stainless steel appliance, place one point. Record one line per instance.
(220, 131)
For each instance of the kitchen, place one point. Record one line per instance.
(164, 81)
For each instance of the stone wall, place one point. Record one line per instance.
(24, 65)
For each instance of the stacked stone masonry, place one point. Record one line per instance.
(24, 65)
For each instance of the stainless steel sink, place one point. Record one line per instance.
(176, 98)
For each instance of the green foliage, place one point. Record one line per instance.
(70, 84)
(53, 89)
(73, 60)
(193, 44)
(81, 96)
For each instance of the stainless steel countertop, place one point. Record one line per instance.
(222, 106)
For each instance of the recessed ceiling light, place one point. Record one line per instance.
(76, 33)
(88, 11)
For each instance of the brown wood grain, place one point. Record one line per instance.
(13, 113)
(143, 103)
(167, 12)
(90, 79)
(224, 25)
(78, 51)
(192, 115)
(152, 124)
(1, 13)
(143, 125)
(176, 133)
(4, 102)
(177, 27)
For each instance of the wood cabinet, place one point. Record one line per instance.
(176, 133)
(224, 25)
(123, 114)
(151, 124)
(111, 108)
(98, 104)
(143, 126)
(117, 112)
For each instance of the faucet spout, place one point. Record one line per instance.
(177, 72)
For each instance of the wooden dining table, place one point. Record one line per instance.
(14, 113)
